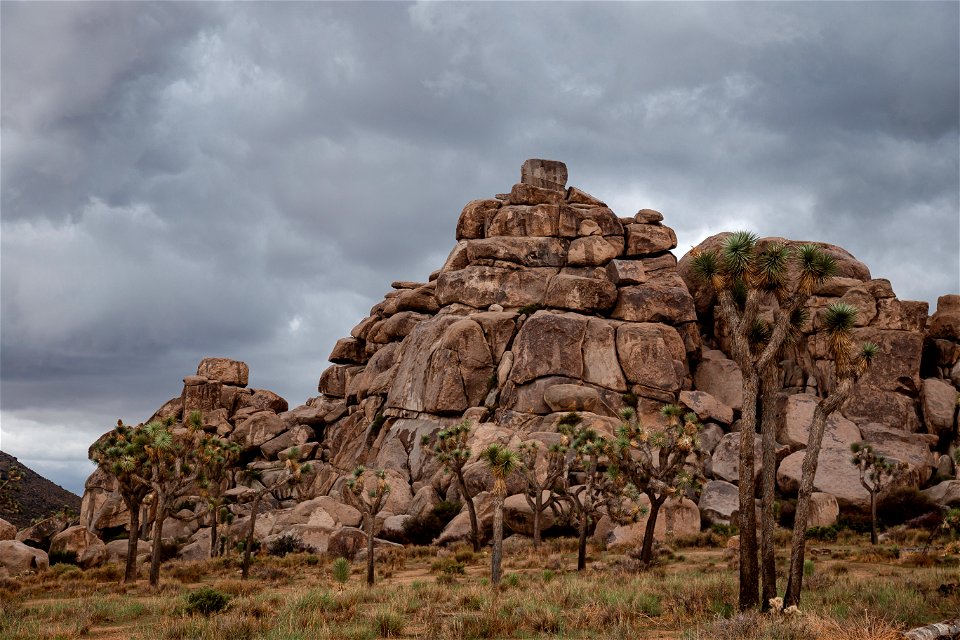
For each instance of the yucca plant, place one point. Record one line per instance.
(340, 570)
(876, 472)
(453, 453)
(850, 362)
(501, 462)
(368, 491)
(657, 462)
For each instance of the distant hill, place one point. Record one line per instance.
(36, 495)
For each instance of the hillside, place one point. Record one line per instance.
(36, 495)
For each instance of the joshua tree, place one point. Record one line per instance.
(174, 464)
(538, 482)
(122, 454)
(849, 362)
(501, 462)
(453, 453)
(217, 477)
(744, 276)
(370, 501)
(291, 473)
(657, 462)
(584, 448)
(876, 472)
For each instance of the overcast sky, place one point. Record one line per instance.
(182, 180)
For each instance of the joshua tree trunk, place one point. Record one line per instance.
(749, 575)
(157, 544)
(214, 548)
(471, 509)
(133, 540)
(496, 558)
(249, 544)
(770, 386)
(873, 517)
(582, 547)
(824, 408)
(646, 552)
(369, 522)
(538, 507)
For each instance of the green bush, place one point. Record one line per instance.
(340, 570)
(288, 542)
(206, 600)
(903, 504)
(825, 534)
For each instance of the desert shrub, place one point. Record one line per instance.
(110, 572)
(903, 504)
(188, 572)
(288, 542)
(422, 530)
(529, 309)
(62, 557)
(448, 566)
(855, 521)
(825, 534)
(340, 570)
(388, 624)
(206, 600)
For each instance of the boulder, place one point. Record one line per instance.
(296, 436)
(719, 500)
(913, 449)
(945, 494)
(518, 514)
(474, 217)
(546, 174)
(797, 417)
(88, 549)
(549, 344)
(526, 251)
(600, 364)
(458, 529)
(720, 377)
(17, 558)
(726, 458)
(333, 381)
(347, 351)
(648, 239)
(200, 394)
(647, 352)
(258, 429)
(587, 295)
(261, 400)
(871, 404)
(945, 321)
(676, 519)
(592, 251)
(117, 551)
(939, 401)
(571, 397)
(626, 272)
(824, 510)
(40, 534)
(531, 221)
(706, 407)
(480, 286)
(835, 475)
(652, 302)
(225, 371)
(7, 530)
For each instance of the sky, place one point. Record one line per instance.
(244, 180)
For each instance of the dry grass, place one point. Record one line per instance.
(852, 593)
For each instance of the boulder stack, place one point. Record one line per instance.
(548, 303)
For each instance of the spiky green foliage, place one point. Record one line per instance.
(769, 269)
(739, 252)
(501, 462)
(814, 265)
(451, 447)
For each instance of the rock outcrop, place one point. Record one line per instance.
(550, 302)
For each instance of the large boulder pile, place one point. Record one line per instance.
(548, 303)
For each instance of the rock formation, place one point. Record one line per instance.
(550, 303)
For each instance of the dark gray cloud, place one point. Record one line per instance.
(191, 179)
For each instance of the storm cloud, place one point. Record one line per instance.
(245, 179)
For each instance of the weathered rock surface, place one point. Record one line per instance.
(676, 519)
(549, 303)
(17, 558)
(89, 550)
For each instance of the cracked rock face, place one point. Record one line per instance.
(551, 302)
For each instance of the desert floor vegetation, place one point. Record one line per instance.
(852, 590)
